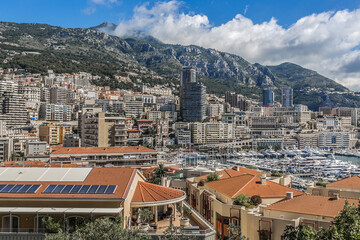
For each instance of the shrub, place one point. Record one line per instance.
(241, 200)
(276, 174)
(201, 183)
(255, 200)
(252, 167)
(213, 177)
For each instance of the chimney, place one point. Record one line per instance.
(263, 181)
(163, 181)
(289, 195)
(236, 168)
(336, 196)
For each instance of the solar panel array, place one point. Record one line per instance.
(80, 189)
(19, 188)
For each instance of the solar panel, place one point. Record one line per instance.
(67, 188)
(80, 189)
(33, 188)
(2, 186)
(16, 188)
(84, 189)
(110, 189)
(24, 188)
(101, 189)
(75, 189)
(49, 189)
(93, 189)
(58, 188)
(7, 188)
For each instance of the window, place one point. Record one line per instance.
(6, 223)
(39, 224)
(333, 140)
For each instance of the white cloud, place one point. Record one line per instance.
(327, 42)
(89, 10)
(103, 2)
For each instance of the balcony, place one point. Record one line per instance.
(198, 227)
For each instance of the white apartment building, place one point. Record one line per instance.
(333, 140)
(214, 109)
(55, 112)
(30, 93)
(212, 133)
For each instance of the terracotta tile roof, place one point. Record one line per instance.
(250, 185)
(313, 205)
(147, 192)
(88, 150)
(229, 173)
(351, 182)
(119, 176)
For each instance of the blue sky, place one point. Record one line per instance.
(87, 13)
(322, 35)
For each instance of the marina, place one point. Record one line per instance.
(305, 166)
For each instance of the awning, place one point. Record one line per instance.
(60, 210)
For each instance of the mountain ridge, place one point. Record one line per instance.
(143, 61)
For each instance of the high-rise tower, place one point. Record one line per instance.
(192, 97)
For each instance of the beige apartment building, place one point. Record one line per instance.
(53, 133)
(212, 133)
(214, 200)
(346, 187)
(103, 130)
(281, 206)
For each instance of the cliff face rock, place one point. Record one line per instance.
(150, 60)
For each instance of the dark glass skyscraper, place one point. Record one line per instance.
(192, 96)
(287, 97)
(268, 97)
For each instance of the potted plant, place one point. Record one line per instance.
(144, 216)
(185, 221)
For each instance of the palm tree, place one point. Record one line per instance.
(160, 172)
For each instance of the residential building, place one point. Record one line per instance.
(268, 97)
(72, 140)
(30, 93)
(55, 112)
(192, 96)
(333, 140)
(58, 95)
(54, 133)
(6, 149)
(211, 133)
(214, 200)
(307, 140)
(347, 188)
(100, 156)
(90, 193)
(134, 108)
(103, 130)
(214, 109)
(13, 111)
(237, 101)
(287, 97)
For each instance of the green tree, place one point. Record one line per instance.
(145, 215)
(301, 232)
(344, 226)
(213, 177)
(158, 173)
(241, 200)
(101, 228)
